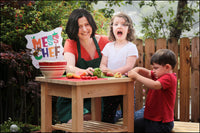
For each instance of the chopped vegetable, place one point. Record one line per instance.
(83, 74)
(73, 75)
(76, 76)
(97, 72)
(118, 75)
(109, 74)
(89, 77)
(69, 75)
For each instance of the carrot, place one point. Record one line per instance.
(83, 74)
(76, 76)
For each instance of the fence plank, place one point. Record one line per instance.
(149, 51)
(195, 112)
(139, 44)
(138, 85)
(173, 45)
(184, 78)
(161, 43)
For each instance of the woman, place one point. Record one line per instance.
(83, 53)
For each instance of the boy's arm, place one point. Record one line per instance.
(143, 75)
(140, 70)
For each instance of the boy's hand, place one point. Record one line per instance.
(132, 74)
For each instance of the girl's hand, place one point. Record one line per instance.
(105, 70)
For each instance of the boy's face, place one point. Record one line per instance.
(159, 70)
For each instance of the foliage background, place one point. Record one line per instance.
(41, 15)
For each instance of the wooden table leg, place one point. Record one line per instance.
(128, 107)
(46, 109)
(96, 108)
(77, 110)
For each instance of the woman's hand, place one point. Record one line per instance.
(89, 71)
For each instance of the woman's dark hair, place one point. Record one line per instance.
(163, 57)
(72, 27)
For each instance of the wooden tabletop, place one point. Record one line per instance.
(77, 82)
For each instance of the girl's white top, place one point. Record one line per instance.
(117, 57)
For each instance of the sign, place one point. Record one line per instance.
(45, 46)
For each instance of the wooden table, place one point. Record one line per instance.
(80, 89)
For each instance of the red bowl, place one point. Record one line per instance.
(52, 69)
(53, 63)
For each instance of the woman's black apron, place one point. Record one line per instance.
(64, 104)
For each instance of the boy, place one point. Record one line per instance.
(159, 107)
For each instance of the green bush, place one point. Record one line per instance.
(37, 16)
(22, 127)
(28, 19)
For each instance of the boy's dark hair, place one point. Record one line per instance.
(128, 21)
(72, 27)
(163, 57)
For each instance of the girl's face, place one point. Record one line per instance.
(85, 29)
(120, 29)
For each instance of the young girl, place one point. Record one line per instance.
(119, 55)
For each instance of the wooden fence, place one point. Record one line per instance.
(187, 70)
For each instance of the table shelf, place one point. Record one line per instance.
(92, 126)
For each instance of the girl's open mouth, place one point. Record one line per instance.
(119, 33)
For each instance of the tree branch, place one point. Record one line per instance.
(159, 19)
(177, 29)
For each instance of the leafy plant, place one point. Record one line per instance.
(22, 127)
(168, 24)
(28, 19)
(108, 11)
(17, 82)
(35, 17)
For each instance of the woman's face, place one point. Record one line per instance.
(85, 29)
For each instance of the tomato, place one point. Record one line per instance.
(94, 77)
(89, 77)
(109, 74)
(83, 77)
